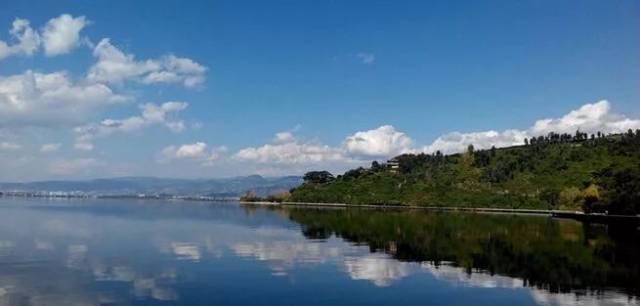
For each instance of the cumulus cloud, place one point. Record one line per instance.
(381, 142)
(458, 142)
(116, 66)
(366, 58)
(152, 114)
(49, 147)
(25, 40)
(284, 137)
(589, 118)
(195, 152)
(33, 98)
(61, 34)
(287, 154)
(288, 150)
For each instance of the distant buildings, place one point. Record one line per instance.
(46, 194)
(96, 195)
(393, 165)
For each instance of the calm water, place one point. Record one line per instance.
(122, 252)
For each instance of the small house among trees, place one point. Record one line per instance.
(393, 165)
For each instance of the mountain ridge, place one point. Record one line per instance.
(231, 186)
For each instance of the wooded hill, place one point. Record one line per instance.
(592, 173)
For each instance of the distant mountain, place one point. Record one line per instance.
(228, 187)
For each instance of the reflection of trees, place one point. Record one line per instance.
(249, 210)
(557, 255)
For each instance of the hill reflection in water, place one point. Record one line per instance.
(557, 256)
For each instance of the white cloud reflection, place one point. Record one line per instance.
(380, 269)
(457, 276)
(285, 251)
(186, 251)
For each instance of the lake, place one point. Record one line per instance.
(125, 252)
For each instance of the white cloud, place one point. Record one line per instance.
(286, 149)
(9, 146)
(115, 66)
(60, 35)
(195, 152)
(589, 118)
(175, 126)
(26, 40)
(290, 152)
(49, 147)
(284, 137)
(36, 107)
(366, 58)
(458, 142)
(384, 141)
(33, 98)
(152, 114)
(286, 155)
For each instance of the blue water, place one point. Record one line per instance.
(126, 252)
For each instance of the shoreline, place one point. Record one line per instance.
(565, 214)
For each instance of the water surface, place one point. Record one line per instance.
(125, 252)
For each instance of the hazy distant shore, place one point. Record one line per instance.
(123, 196)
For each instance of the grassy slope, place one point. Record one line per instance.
(554, 175)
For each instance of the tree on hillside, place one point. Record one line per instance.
(622, 188)
(318, 177)
(249, 196)
(355, 173)
(467, 157)
(375, 166)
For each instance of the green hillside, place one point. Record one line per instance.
(592, 173)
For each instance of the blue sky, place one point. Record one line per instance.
(343, 82)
